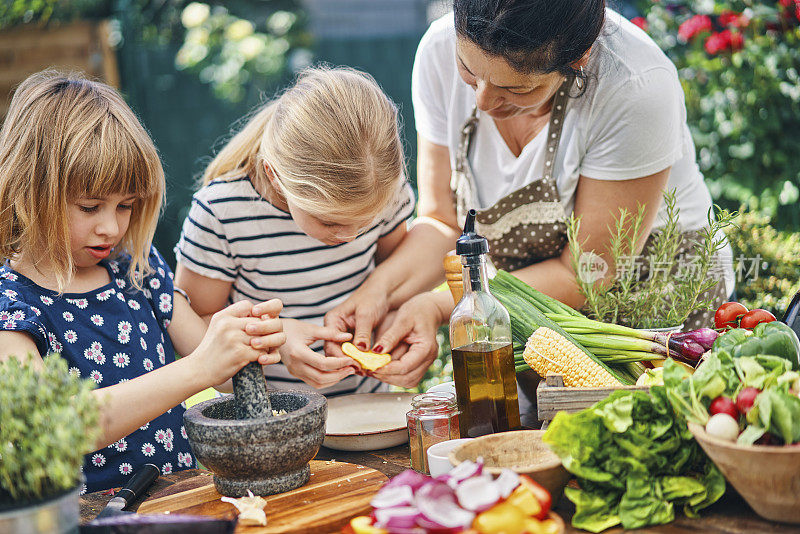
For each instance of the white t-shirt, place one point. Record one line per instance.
(630, 123)
(231, 233)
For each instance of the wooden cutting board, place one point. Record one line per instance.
(335, 493)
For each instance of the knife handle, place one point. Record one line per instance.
(140, 481)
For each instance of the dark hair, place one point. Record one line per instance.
(532, 35)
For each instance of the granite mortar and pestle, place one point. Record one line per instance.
(247, 447)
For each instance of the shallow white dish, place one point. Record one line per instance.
(367, 421)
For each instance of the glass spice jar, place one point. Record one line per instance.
(433, 418)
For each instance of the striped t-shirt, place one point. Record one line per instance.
(232, 233)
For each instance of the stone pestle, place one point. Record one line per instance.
(250, 390)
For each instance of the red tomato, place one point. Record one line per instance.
(541, 494)
(746, 398)
(754, 317)
(724, 405)
(728, 315)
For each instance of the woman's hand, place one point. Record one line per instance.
(236, 338)
(411, 338)
(313, 368)
(363, 310)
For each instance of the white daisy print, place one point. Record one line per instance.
(120, 283)
(97, 376)
(125, 468)
(88, 354)
(142, 328)
(160, 436)
(98, 460)
(97, 319)
(168, 446)
(124, 326)
(145, 426)
(99, 358)
(96, 346)
(148, 365)
(183, 432)
(121, 359)
(160, 272)
(143, 343)
(105, 295)
(10, 325)
(4, 315)
(18, 315)
(10, 276)
(10, 293)
(155, 283)
(83, 489)
(36, 310)
(56, 346)
(68, 316)
(121, 445)
(166, 323)
(166, 469)
(164, 303)
(148, 449)
(132, 304)
(70, 336)
(74, 371)
(114, 266)
(47, 301)
(121, 297)
(123, 338)
(80, 303)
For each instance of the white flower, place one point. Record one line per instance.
(121, 359)
(99, 460)
(148, 449)
(70, 336)
(124, 326)
(134, 305)
(105, 295)
(10, 293)
(164, 303)
(120, 283)
(9, 276)
(145, 426)
(148, 365)
(143, 343)
(168, 446)
(100, 358)
(143, 328)
(123, 338)
(97, 319)
(68, 316)
(160, 436)
(36, 310)
(125, 468)
(83, 489)
(88, 354)
(18, 315)
(121, 297)
(121, 445)
(97, 376)
(96, 346)
(80, 303)
(166, 469)
(155, 283)
(170, 435)
(183, 432)
(56, 346)
(47, 301)
(74, 371)
(114, 266)
(10, 325)
(160, 272)
(4, 315)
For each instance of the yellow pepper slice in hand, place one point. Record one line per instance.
(370, 361)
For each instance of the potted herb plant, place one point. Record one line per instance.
(48, 420)
(659, 288)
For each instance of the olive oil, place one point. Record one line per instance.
(486, 382)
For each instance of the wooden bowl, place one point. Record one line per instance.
(767, 477)
(522, 451)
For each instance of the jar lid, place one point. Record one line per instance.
(437, 399)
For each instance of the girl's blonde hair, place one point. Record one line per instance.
(66, 137)
(331, 141)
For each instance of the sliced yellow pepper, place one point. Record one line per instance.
(370, 361)
(363, 525)
(525, 500)
(503, 518)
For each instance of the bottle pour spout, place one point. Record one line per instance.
(470, 243)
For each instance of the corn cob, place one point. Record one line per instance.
(548, 352)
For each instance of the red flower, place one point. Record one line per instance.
(731, 18)
(724, 40)
(641, 22)
(786, 3)
(694, 26)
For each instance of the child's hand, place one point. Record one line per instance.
(267, 333)
(313, 368)
(227, 345)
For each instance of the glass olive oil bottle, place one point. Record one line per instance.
(483, 358)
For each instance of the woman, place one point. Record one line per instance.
(530, 110)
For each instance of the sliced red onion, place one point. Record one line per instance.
(444, 513)
(506, 482)
(477, 494)
(409, 478)
(435, 528)
(400, 517)
(436, 491)
(392, 496)
(464, 470)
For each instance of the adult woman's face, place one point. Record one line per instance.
(500, 90)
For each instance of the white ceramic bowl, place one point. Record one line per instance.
(367, 421)
(444, 387)
(438, 456)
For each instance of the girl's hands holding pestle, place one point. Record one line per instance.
(237, 335)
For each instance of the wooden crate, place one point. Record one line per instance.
(553, 397)
(75, 47)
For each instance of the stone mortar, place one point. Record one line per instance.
(266, 455)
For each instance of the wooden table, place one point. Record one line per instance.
(730, 515)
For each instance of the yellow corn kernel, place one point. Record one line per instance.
(548, 352)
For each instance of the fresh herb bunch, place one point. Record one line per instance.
(48, 420)
(662, 289)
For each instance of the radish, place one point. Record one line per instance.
(723, 426)
(746, 398)
(723, 405)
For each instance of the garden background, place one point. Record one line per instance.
(191, 69)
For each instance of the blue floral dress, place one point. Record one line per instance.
(109, 335)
